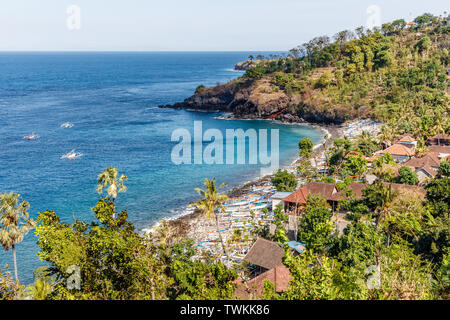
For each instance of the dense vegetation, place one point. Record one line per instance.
(396, 73)
(397, 246)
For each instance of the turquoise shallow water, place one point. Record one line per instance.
(111, 99)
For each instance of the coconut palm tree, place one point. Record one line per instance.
(385, 197)
(14, 223)
(385, 137)
(108, 179)
(212, 204)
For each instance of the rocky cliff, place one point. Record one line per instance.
(247, 99)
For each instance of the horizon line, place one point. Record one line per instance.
(143, 51)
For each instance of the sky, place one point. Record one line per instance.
(190, 25)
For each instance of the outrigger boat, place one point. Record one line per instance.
(32, 136)
(71, 155)
(67, 125)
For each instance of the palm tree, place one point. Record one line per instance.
(14, 223)
(385, 136)
(212, 204)
(385, 196)
(108, 179)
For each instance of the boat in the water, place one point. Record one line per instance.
(67, 125)
(71, 155)
(32, 136)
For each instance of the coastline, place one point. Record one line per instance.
(190, 224)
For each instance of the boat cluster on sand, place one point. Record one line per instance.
(246, 212)
(241, 215)
(68, 156)
(357, 127)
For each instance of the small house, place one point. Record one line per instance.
(296, 201)
(439, 140)
(441, 151)
(277, 198)
(408, 141)
(399, 152)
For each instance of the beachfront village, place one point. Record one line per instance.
(254, 228)
(363, 215)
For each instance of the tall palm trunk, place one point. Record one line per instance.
(220, 237)
(15, 263)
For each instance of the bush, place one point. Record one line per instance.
(284, 181)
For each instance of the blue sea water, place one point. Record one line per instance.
(112, 99)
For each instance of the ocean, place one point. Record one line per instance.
(111, 99)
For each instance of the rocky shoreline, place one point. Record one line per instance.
(261, 99)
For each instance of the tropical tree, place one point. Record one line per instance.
(379, 198)
(14, 223)
(212, 204)
(407, 176)
(9, 290)
(284, 181)
(316, 227)
(305, 147)
(111, 180)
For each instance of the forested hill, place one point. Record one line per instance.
(397, 74)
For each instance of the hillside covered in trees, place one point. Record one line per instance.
(396, 74)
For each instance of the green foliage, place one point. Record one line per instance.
(354, 165)
(316, 227)
(255, 72)
(14, 223)
(438, 196)
(202, 281)
(407, 176)
(284, 181)
(358, 245)
(200, 89)
(211, 203)
(325, 79)
(111, 180)
(305, 147)
(423, 44)
(384, 159)
(313, 278)
(444, 168)
(367, 145)
(9, 290)
(424, 20)
(115, 262)
(43, 284)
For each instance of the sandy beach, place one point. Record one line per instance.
(248, 207)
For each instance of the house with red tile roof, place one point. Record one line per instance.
(426, 167)
(408, 140)
(439, 140)
(253, 288)
(399, 152)
(430, 159)
(296, 201)
(267, 256)
(442, 151)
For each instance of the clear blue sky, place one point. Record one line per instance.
(247, 25)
